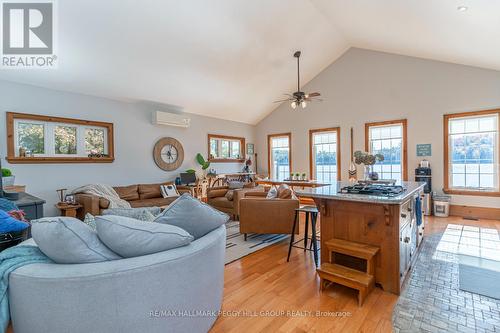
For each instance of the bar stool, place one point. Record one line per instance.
(313, 212)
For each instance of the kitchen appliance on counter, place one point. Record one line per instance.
(424, 174)
(385, 189)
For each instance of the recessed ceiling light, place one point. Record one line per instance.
(462, 8)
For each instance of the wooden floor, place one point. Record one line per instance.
(261, 290)
(259, 286)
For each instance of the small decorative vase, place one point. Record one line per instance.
(368, 170)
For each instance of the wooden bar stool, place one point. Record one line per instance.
(313, 212)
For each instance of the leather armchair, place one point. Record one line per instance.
(216, 197)
(267, 216)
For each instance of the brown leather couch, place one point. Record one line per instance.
(139, 195)
(216, 197)
(267, 216)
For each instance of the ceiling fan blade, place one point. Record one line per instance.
(283, 100)
(313, 99)
(314, 94)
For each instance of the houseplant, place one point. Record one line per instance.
(7, 177)
(368, 160)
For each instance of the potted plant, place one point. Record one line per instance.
(304, 176)
(204, 165)
(291, 175)
(368, 160)
(7, 177)
(297, 176)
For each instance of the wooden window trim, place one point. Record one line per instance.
(311, 135)
(269, 137)
(446, 182)
(403, 122)
(13, 159)
(226, 160)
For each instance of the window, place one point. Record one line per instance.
(226, 148)
(471, 152)
(389, 139)
(280, 157)
(324, 154)
(43, 139)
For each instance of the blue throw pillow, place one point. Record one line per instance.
(192, 215)
(132, 238)
(67, 240)
(10, 224)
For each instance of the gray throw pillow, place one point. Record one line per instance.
(234, 185)
(192, 215)
(67, 240)
(132, 238)
(142, 213)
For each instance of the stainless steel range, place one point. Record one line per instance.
(378, 188)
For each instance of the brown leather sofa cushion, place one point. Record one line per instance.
(149, 191)
(158, 202)
(127, 192)
(221, 202)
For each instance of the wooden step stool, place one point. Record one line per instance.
(349, 277)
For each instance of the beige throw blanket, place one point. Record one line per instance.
(105, 191)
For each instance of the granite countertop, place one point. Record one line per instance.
(333, 192)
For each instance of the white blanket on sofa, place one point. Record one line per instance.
(105, 191)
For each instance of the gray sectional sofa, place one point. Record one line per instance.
(179, 290)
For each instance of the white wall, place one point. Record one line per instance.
(134, 137)
(365, 86)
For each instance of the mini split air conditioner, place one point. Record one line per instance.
(170, 119)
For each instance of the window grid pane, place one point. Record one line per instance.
(31, 137)
(280, 158)
(325, 156)
(473, 147)
(388, 141)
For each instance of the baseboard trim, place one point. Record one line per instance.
(475, 212)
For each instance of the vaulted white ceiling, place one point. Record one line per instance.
(232, 58)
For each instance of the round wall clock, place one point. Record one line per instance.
(168, 154)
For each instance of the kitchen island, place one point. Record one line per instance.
(388, 222)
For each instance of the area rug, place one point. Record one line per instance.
(432, 300)
(237, 247)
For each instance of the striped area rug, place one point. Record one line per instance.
(237, 247)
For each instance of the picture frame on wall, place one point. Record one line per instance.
(250, 149)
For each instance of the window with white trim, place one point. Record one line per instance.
(51, 139)
(325, 154)
(473, 149)
(279, 156)
(387, 139)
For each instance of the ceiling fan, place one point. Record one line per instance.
(300, 97)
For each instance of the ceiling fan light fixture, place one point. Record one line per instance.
(303, 104)
(293, 104)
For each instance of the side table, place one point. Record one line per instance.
(68, 209)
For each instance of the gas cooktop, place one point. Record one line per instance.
(377, 189)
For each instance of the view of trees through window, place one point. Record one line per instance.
(65, 140)
(225, 148)
(473, 146)
(94, 141)
(388, 141)
(53, 139)
(32, 137)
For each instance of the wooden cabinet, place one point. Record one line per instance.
(391, 227)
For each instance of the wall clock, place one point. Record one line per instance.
(168, 154)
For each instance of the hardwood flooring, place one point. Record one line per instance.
(261, 291)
